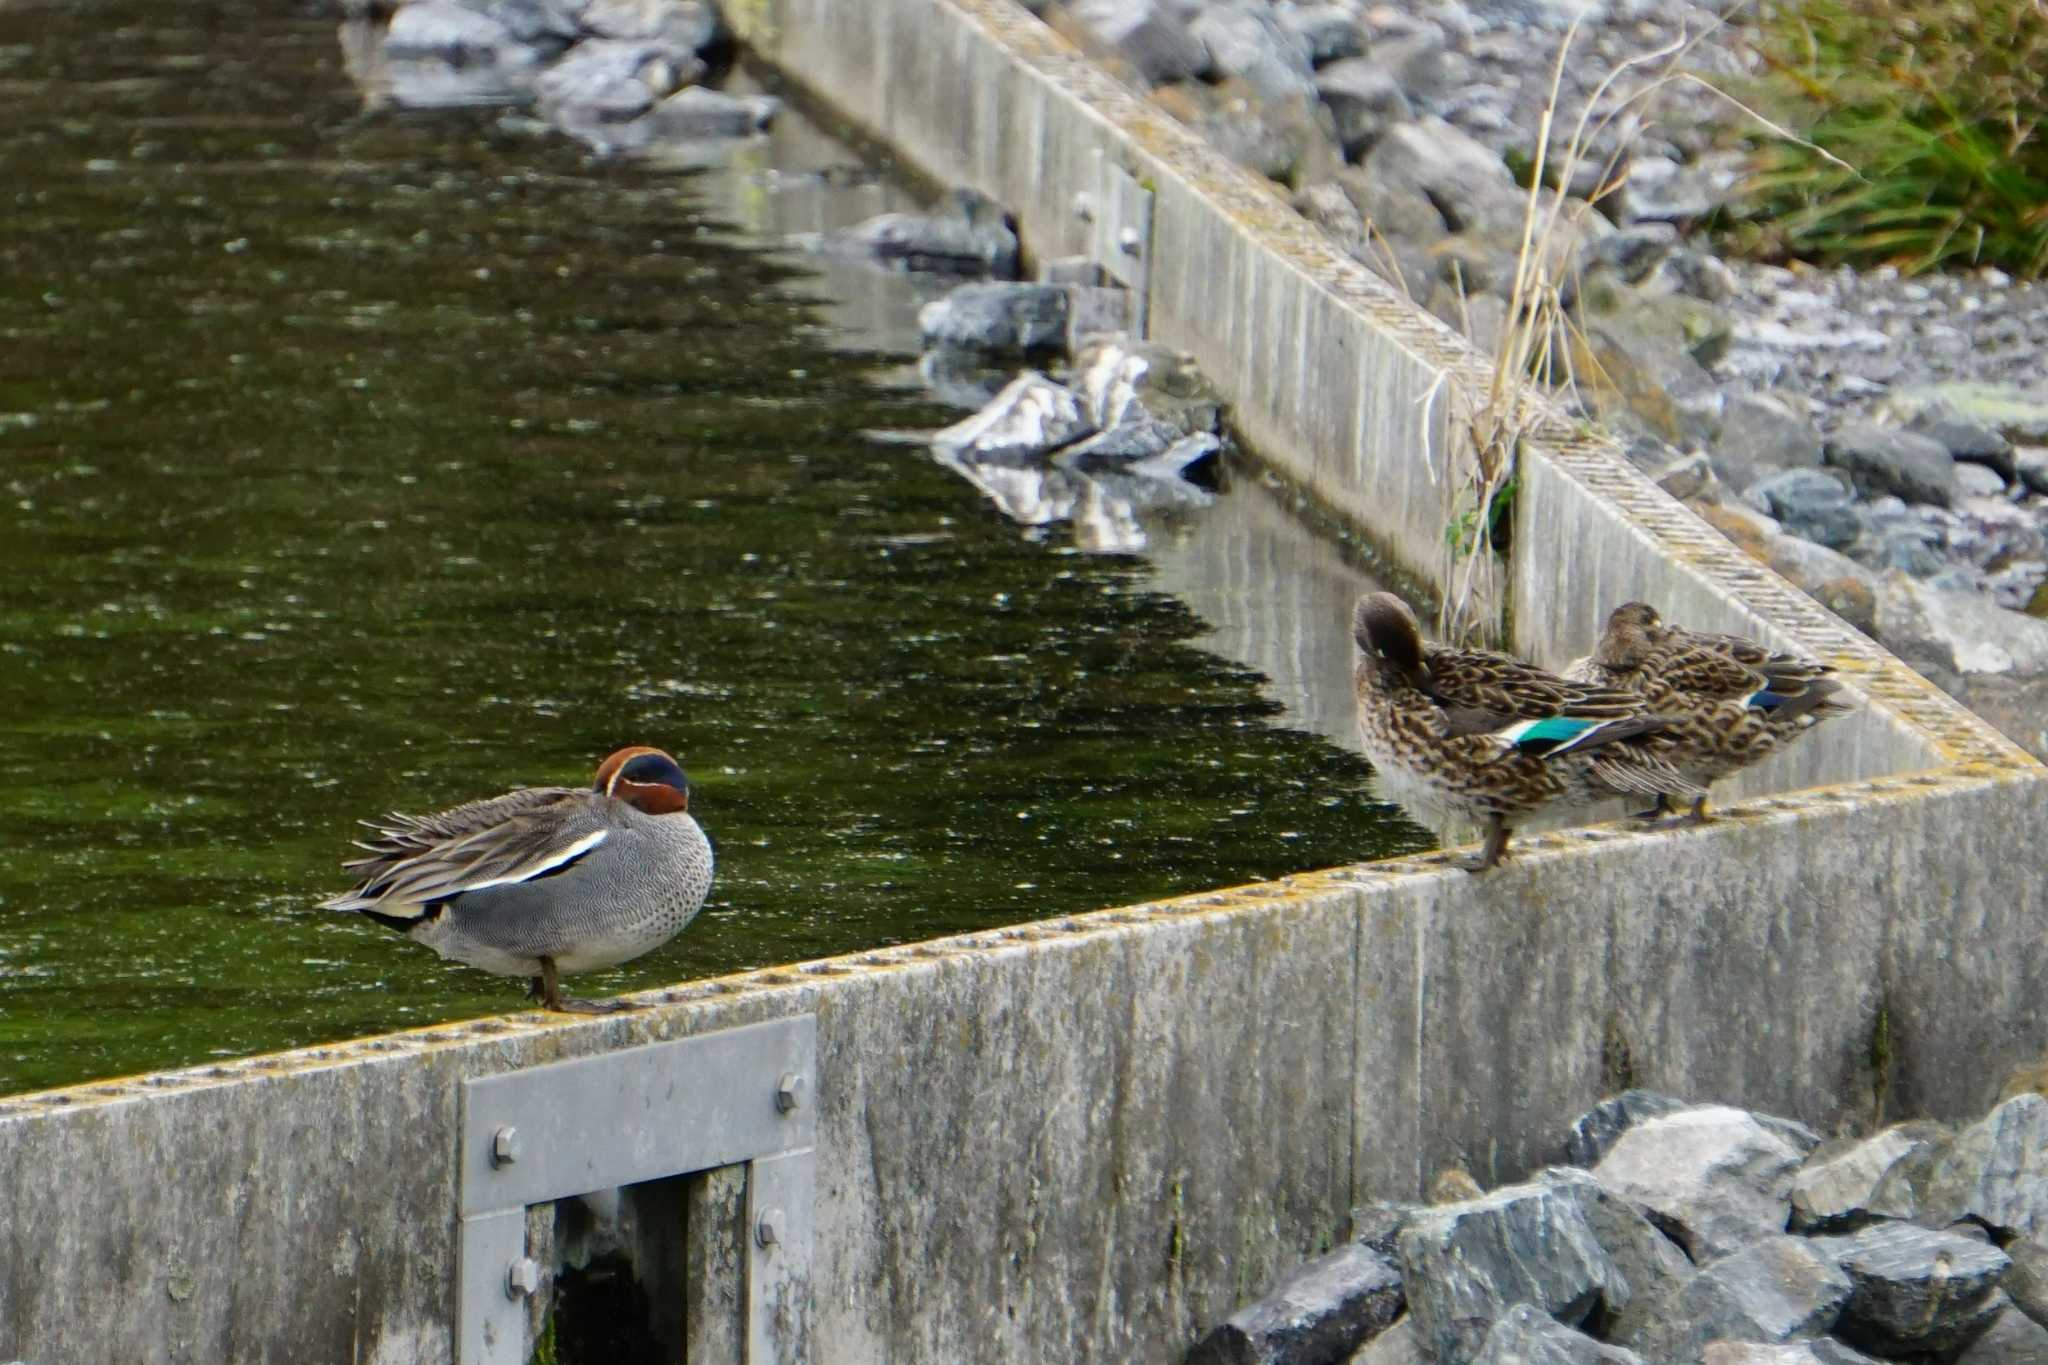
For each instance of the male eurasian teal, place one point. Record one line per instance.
(545, 881)
(1486, 738)
(1730, 701)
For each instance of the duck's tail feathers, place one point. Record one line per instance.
(1816, 698)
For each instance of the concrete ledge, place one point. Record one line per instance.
(1089, 1138)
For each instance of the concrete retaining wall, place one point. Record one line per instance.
(1088, 1139)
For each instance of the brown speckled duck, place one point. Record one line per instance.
(545, 881)
(1731, 701)
(1486, 738)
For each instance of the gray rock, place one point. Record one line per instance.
(1118, 375)
(1760, 433)
(444, 29)
(1888, 460)
(1280, 139)
(1663, 190)
(1326, 204)
(1821, 1351)
(1467, 184)
(547, 24)
(1364, 100)
(1952, 634)
(2019, 414)
(1965, 438)
(1633, 253)
(1136, 441)
(695, 112)
(1418, 59)
(2026, 1284)
(1917, 1290)
(966, 236)
(1398, 1345)
(1701, 275)
(1596, 1130)
(608, 81)
(1247, 42)
(2013, 1339)
(1029, 419)
(1320, 1313)
(1378, 1225)
(1330, 32)
(1148, 35)
(689, 25)
(1464, 1264)
(1813, 504)
(1523, 1336)
(1005, 317)
(1837, 1190)
(2031, 464)
(1772, 1290)
(1649, 1267)
(1996, 1171)
(1978, 481)
(1713, 1178)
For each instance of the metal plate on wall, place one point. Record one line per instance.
(742, 1095)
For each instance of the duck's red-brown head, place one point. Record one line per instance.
(646, 779)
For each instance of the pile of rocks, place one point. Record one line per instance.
(620, 75)
(1100, 444)
(1689, 1233)
(1881, 441)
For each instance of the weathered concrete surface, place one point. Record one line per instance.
(1088, 1139)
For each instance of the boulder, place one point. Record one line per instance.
(1888, 460)
(695, 112)
(2030, 463)
(1917, 1291)
(967, 235)
(1649, 1267)
(1774, 1289)
(1713, 1178)
(605, 80)
(686, 25)
(1820, 1351)
(1114, 373)
(2026, 1284)
(1813, 504)
(1003, 316)
(1523, 1336)
(1597, 1130)
(1143, 447)
(1996, 1170)
(2012, 1339)
(1365, 100)
(447, 30)
(1398, 1345)
(1319, 1314)
(1329, 32)
(1467, 184)
(1837, 1190)
(1246, 41)
(1965, 438)
(1029, 419)
(1149, 35)
(1465, 1264)
(2019, 414)
(1760, 434)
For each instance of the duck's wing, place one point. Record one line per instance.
(1700, 670)
(1781, 669)
(416, 861)
(1472, 684)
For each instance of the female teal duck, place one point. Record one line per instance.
(545, 881)
(1731, 701)
(1487, 738)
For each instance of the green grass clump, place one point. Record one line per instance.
(1923, 122)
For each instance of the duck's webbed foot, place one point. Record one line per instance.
(1492, 851)
(547, 988)
(1656, 812)
(1699, 814)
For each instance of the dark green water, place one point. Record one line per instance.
(366, 461)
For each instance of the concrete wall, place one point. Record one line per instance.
(1088, 1139)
